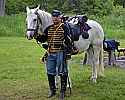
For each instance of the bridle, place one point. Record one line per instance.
(37, 26)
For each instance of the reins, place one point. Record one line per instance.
(37, 27)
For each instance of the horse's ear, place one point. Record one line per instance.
(37, 8)
(28, 10)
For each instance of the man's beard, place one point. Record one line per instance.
(56, 22)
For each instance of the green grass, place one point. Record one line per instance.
(13, 25)
(22, 77)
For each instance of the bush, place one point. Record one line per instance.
(113, 24)
(17, 6)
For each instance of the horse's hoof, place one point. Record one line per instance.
(93, 80)
(69, 86)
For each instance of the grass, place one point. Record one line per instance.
(13, 25)
(22, 77)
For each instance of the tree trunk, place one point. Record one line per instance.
(60, 4)
(2, 7)
(44, 5)
(123, 3)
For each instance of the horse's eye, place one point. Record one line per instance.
(34, 20)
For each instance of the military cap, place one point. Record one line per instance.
(56, 13)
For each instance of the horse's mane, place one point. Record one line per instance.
(46, 19)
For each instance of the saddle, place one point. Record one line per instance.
(79, 27)
(78, 30)
(110, 45)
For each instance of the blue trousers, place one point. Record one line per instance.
(55, 63)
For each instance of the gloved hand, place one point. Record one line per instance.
(45, 45)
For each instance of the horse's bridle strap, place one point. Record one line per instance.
(31, 29)
(38, 19)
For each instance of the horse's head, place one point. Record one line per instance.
(37, 21)
(32, 22)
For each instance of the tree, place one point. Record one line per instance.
(44, 4)
(123, 3)
(2, 7)
(119, 2)
(60, 2)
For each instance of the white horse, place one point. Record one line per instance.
(39, 20)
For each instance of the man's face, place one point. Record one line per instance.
(56, 19)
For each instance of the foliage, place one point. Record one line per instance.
(113, 24)
(89, 7)
(118, 2)
(17, 6)
(96, 7)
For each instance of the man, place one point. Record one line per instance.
(56, 62)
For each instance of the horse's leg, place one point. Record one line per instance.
(101, 63)
(91, 59)
(57, 80)
(85, 59)
(95, 63)
(89, 56)
(69, 83)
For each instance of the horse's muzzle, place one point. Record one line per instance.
(29, 37)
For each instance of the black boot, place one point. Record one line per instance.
(63, 86)
(51, 79)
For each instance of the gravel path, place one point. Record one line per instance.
(120, 62)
